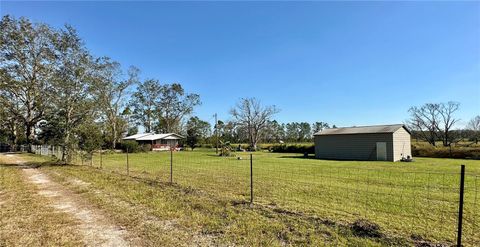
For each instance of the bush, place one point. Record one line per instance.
(446, 152)
(131, 146)
(145, 148)
(293, 148)
(204, 145)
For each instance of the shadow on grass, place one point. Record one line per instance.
(297, 157)
(34, 164)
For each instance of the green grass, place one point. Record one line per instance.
(418, 199)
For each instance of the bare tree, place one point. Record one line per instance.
(474, 126)
(425, 121)
(447, 111)
(433, 122)
(250, 114)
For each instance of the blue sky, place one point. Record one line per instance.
(346, 63)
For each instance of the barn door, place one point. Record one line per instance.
(381, 151)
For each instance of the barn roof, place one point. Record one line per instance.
(362, 130)
(168, 136)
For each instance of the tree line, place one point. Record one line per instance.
(200, 132)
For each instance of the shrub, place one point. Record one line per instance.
(205, 145)
(131, 146)
(446, 152)
(145, 148)
(293, 148)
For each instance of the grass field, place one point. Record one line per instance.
(412, 201)
(155, 213)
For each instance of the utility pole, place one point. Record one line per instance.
(216, 134)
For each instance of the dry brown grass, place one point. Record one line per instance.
(25, 220)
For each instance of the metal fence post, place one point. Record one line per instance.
(101, 160)
(128, 168)
(460, 206)
(251, 179)
(171, 165)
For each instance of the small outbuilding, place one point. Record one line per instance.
(159, 142)
(379, 142)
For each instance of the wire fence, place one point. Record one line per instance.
(417, 205)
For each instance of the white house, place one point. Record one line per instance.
(159, 142)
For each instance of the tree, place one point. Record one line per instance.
(89, 137)
(26, 59)
(304, 132)
(250, 114)
(174, 106)
(146, 102)
(197, 130)
(73, 80)
(474, 126)
(298, 132)
(111, 94)
(291, 132)
(447, 111)
(425, 120)
(132, 130)
(319, 126)
(434, 121)
(274, 132)
(10, 128)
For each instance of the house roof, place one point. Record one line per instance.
(134, 137)
(362, 130)
(168, 136)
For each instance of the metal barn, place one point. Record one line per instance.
(379, 142)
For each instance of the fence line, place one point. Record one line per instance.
(427, 205)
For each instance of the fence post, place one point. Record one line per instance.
(128, 165)
(101, 160)
(171, 165)
(251, 179)
(460, 206)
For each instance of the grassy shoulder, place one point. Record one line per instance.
(25, 220)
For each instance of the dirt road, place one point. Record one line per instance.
(96, 229)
